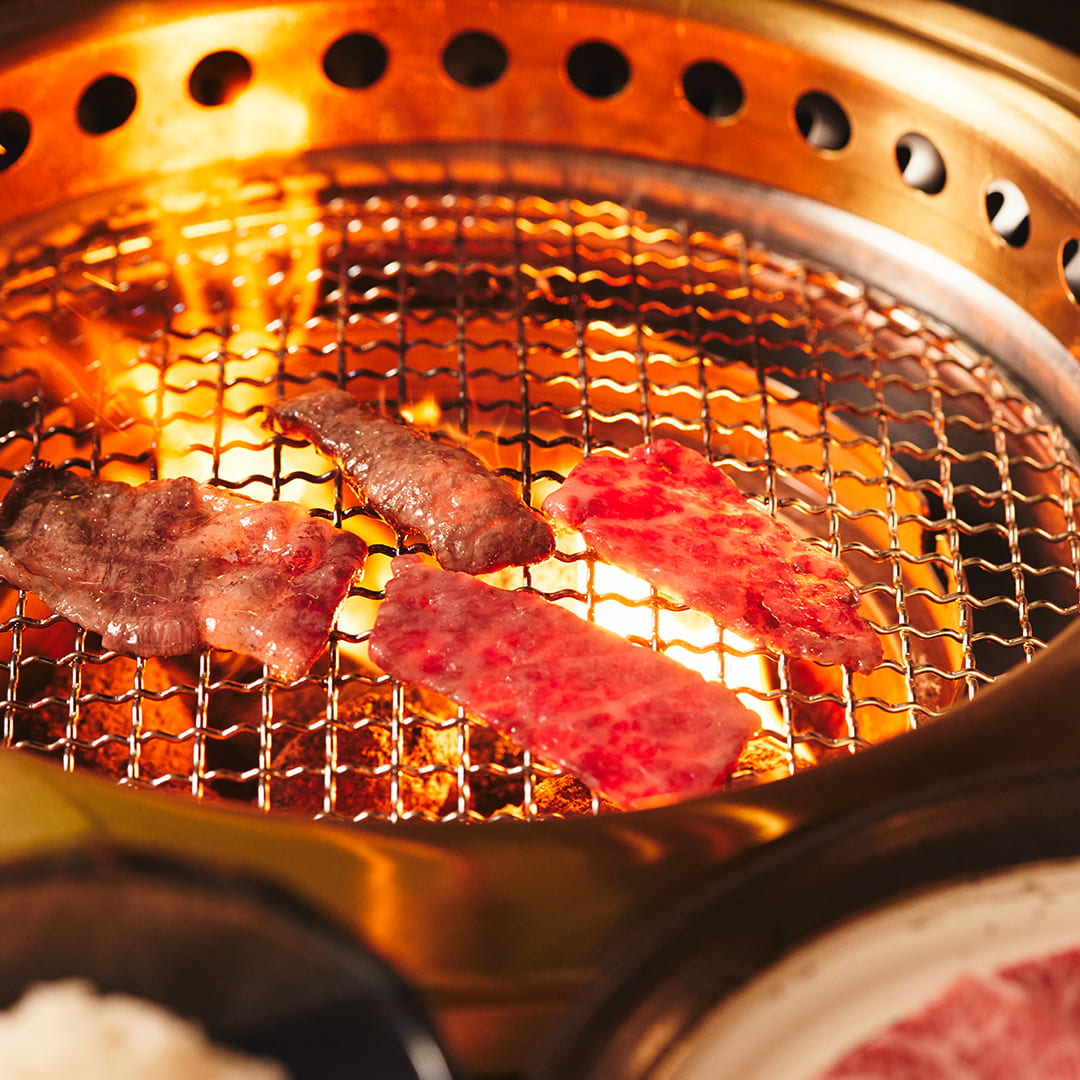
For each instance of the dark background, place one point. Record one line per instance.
(1055, 20)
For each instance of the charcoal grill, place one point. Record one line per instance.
(544, 232)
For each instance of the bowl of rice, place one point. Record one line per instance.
(128, 968)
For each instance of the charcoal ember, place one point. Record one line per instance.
(491, 757)
(364, 748)
(566, 796)
(234, 711)
(933, 692)
(764, 758)
(164, 729)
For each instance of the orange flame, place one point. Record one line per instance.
(244, 282)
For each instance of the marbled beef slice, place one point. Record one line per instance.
(669, 516)
(171, 566)
(471, 517)
(635, 725)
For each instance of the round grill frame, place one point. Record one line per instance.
(544, 330)
(518, 932)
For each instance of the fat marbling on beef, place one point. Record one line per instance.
(668, 515)
(1020, 1022)
(472, 518)
(170, 566)
(632, 723)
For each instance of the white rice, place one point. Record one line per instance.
(68, 1030)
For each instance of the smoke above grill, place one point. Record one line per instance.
(533, 328)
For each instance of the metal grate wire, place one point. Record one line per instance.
(536, 328)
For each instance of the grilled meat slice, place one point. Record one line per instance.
(639, 727)
(171, 566)
(669, 516)
(471, 517)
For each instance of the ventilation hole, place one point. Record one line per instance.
(921, 164)
(219, 78)
(822, 122)
(14, 137)
(597, 69)
(105, 104)
(355, 61)
(1070, 267)
(475, 59)
(712, 89)
(1008, 213)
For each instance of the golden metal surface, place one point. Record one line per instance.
(499, 926)
(996, 103)
(497, 936)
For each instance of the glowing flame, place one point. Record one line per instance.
(424, 414)
(696, 641)
(239, 280)
(255, 271)
(263, 115)
(623, 604)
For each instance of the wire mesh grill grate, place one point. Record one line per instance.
(535, 329)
